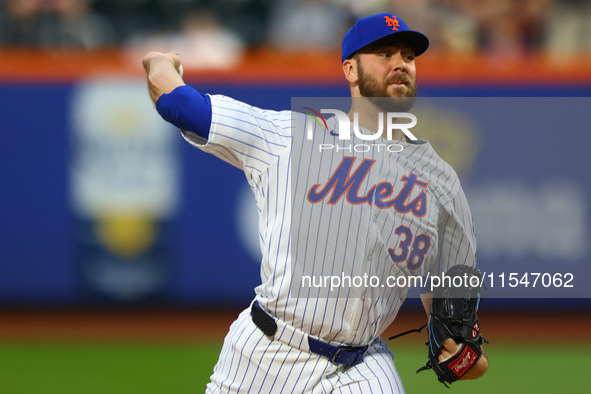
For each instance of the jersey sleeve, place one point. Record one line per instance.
(245, 136)
(456, 238)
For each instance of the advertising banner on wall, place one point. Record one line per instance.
(124, 189)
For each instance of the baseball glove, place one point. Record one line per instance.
(453, 315)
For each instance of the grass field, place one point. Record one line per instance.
(123, 368)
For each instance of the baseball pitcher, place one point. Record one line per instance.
(394, 211)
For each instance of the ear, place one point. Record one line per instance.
(350, 70)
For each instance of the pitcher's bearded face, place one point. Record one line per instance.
(386, 73)
(398, 84)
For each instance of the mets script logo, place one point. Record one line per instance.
(392, 22)
(343, 183)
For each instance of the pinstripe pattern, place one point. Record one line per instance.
(254, 364)
(298, 236)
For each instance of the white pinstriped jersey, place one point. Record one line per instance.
(385, 214)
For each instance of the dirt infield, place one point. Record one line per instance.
(211, 326)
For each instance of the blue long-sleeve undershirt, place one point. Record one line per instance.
(187, 109)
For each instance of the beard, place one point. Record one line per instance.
(379, 95)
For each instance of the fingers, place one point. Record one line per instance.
(151, 57)
(148, 59)
(450, 347)
(176, 61)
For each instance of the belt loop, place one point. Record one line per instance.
(262, 320)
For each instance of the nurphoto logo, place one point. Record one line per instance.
(344, 130)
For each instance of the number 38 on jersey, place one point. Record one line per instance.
(345, 182)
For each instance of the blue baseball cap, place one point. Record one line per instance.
(372, 28)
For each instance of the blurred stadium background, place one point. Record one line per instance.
(125, 254)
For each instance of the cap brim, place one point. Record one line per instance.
(418, 41)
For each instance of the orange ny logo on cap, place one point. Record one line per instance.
(392, 21)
